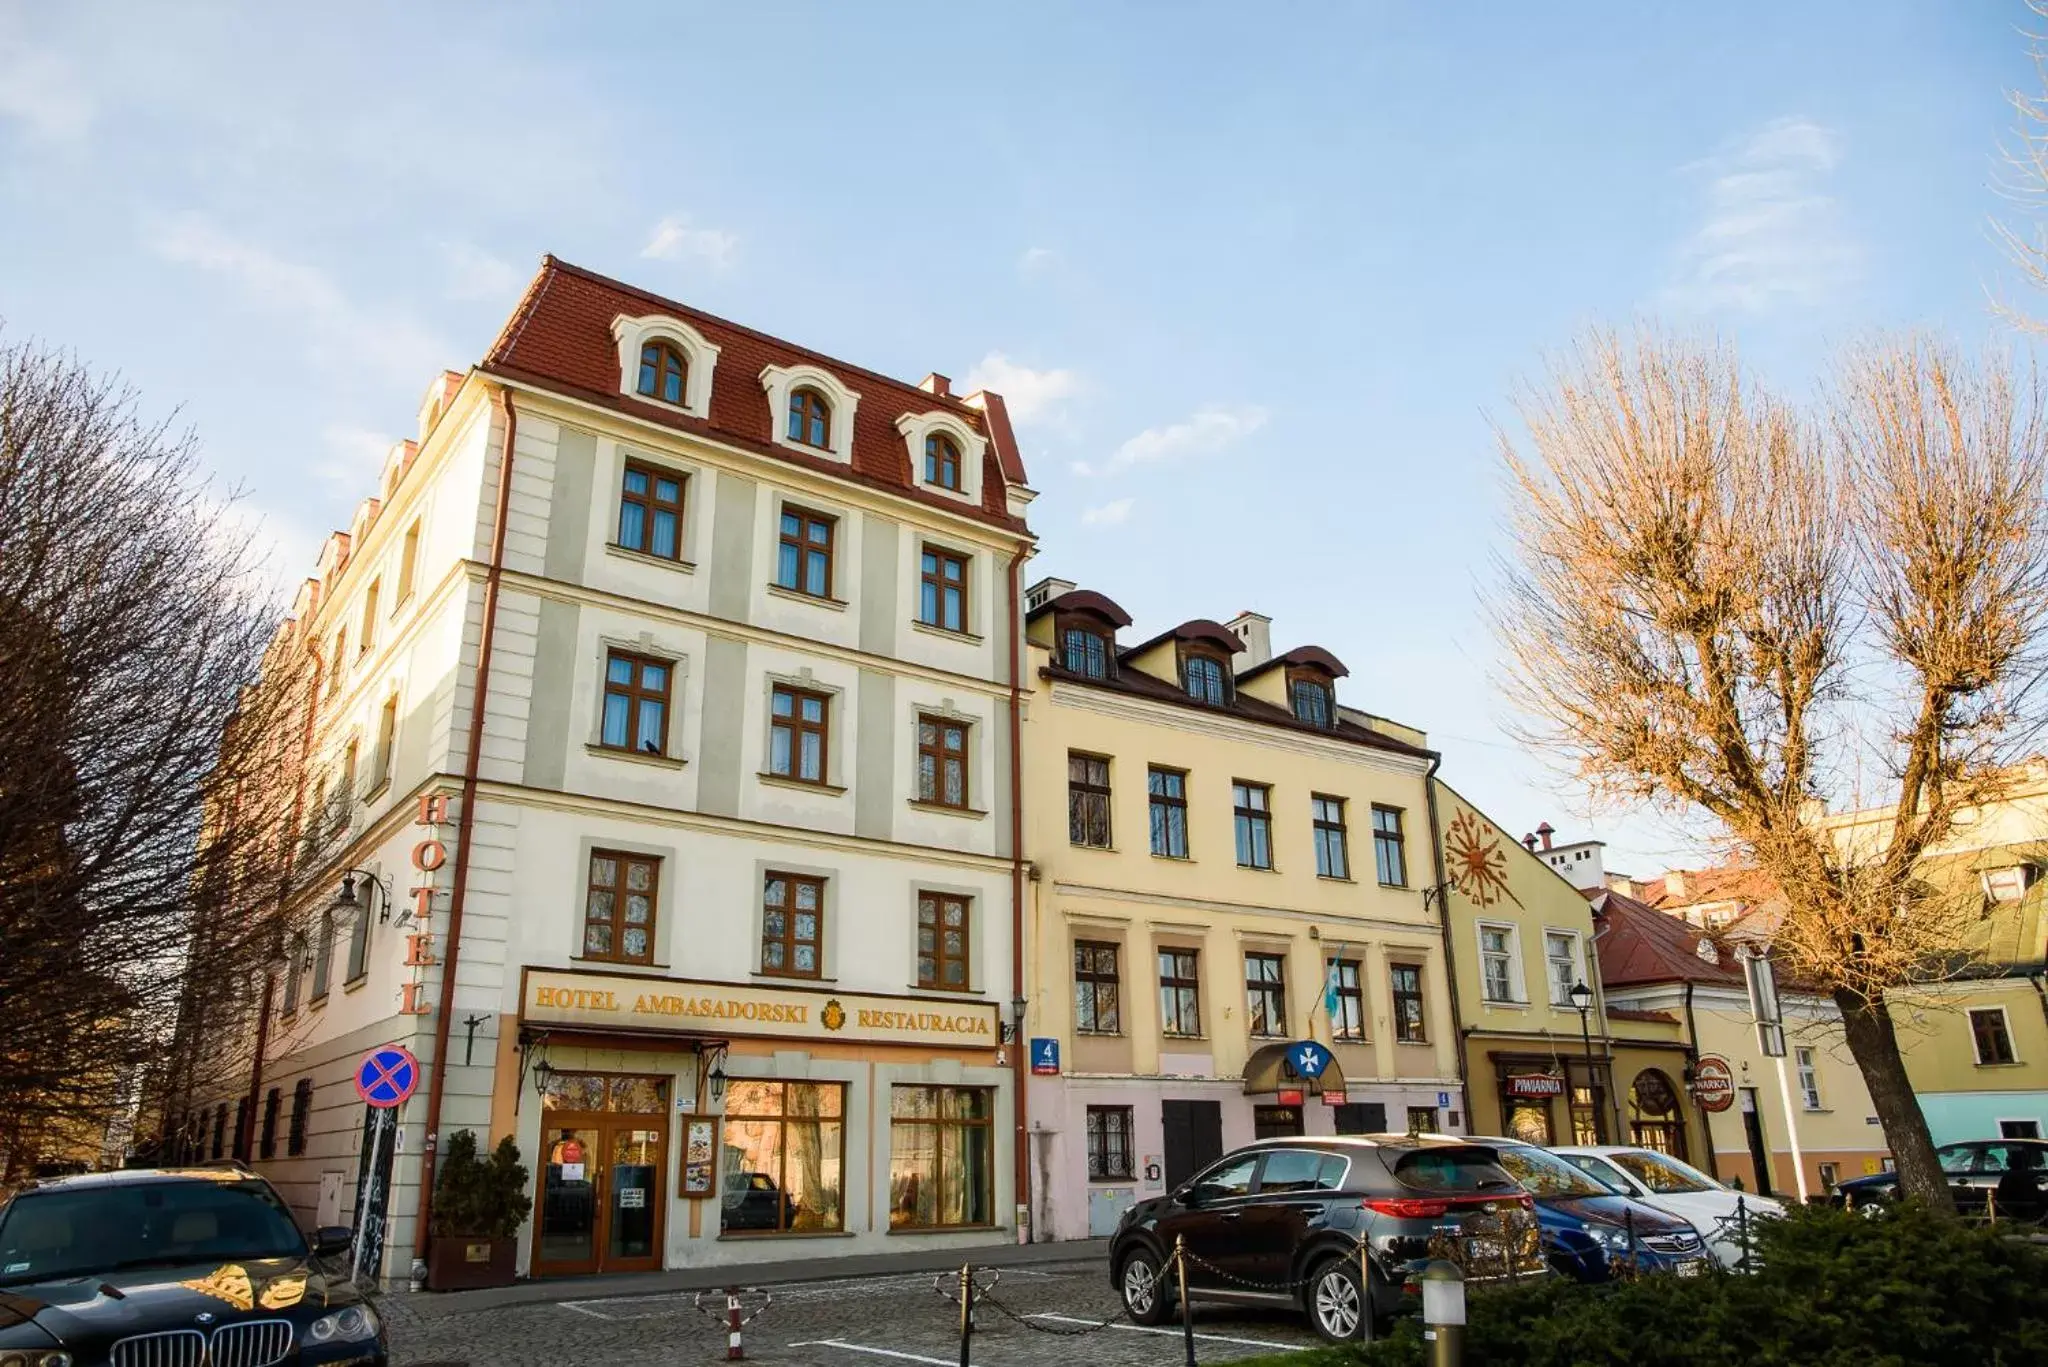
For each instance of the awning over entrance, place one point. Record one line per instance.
(1271, 1069)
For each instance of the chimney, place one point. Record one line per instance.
(1257, 634)
(1546, 830)
(1674, 883)
(938, 384)
(1529, 843)
(1044, 591)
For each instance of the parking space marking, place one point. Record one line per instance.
(836, 1288)
(878, 1352)
(1146, 1329)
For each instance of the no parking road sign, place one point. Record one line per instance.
(387, 1076)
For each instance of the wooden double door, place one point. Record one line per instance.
(600, 1196)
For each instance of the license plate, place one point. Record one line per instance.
(1692, 1267)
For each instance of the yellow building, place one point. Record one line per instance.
(1522, 937)
(1225, 865)
(1976, 1045)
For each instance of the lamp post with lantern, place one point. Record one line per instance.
(1582, 1002)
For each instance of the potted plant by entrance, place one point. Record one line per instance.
(479, 1204)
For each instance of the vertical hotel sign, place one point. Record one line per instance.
(429, 853)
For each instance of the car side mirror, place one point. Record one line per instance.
(332, 1240)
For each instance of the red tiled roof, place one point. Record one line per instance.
(1728, 883)
(1639, 945)
(1629, 1013)
(560, 338)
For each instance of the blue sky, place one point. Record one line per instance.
(1257, 280)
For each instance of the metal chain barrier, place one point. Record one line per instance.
(1197, 1260)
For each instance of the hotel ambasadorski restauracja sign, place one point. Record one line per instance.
(595, 1001)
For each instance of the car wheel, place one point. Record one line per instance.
(1336, 1301)
(1147, 1299)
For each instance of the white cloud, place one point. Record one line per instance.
(44, 92)
(1111, 514)
(474, 273)
(354, 459)
(335, 329)
(1208, 430)
(1029, 394)
(676, 240)
(1036, 259)
(1772, 233)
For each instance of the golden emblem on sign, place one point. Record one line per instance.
(229, 1282)
(834, 1014)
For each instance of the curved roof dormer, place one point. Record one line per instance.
(1301, 657)
(1089, 602)
(1083, 636)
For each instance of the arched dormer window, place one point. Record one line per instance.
(941, 461)
(1310, 697)
(664, 375)
(1085, 652)
(810, 419)
(1206, 678)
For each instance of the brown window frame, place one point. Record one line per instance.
(825, 1115)
(799, 542)
(788, 939)
(649, 504)
(808, 409)
(939, 1121)
(932, 962)
(1081, 793)
(1396, 995)
(668, 358)
(635, 693)
(1251, 817)
(932, 580)
(1226, 684)
(1064, 656)
(1090, 977)
(1351, 990)
(1267, 995)
(797, 727)
(937, 448)
(1308, 678)
(1396, 840)
(1330, 834)
(616, 921)
(1979, 1017)
(1161, 831)
(936, 754)
(1171, 979)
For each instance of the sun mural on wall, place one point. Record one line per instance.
(1479, 869)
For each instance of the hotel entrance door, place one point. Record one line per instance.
(600, 1197)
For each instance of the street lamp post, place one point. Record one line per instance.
(1582, 1000)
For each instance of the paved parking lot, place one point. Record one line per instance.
(873, 1321)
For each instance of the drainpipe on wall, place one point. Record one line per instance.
(1443, 915)
(1022, 1142)
(1692, 1057)
(437, 1072)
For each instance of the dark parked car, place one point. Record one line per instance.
(1279, 1223)
(176, 1266)
(2011, 1171)
(1589, 1229)
(753, 1201)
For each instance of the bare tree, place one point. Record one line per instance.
(2024, 181)
(1720, 607)
(132, 620)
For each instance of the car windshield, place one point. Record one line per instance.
(68, 1231)
(1545, 1174)
(1665, 1176)
(1452, 1170)
(1599, 1169)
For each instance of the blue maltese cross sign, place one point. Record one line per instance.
(1308, 1058)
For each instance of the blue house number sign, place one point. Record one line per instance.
(1045, 1056)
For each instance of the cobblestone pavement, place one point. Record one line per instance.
(874, 1321)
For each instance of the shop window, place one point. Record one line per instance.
(1096, 988)
(1588, 1115)
(1109, 1143)
(785, 1158)
(619, 1093)
(941, 1157)
(1654, 1120)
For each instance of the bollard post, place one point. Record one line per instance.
(734, 1350)
(1443, 1313)
(966, 1309)
(1187, 1307)
(1742, 1230)
(1365, 1326)
(1628, 1222)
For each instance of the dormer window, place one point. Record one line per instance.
(1205, 678)
(941, 461)
(663, 372)
(810, 419)
(1311, 700)
(1085, 652)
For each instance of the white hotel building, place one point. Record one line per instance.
(723, 934)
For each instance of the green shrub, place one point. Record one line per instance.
(1908, 1289)
(477, 1197)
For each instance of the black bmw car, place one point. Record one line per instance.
(185, 1267)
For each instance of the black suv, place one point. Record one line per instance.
(176, 1266)
(1279, 1223)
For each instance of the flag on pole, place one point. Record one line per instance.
(1330, 1001)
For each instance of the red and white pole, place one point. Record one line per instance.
(734, 1352)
